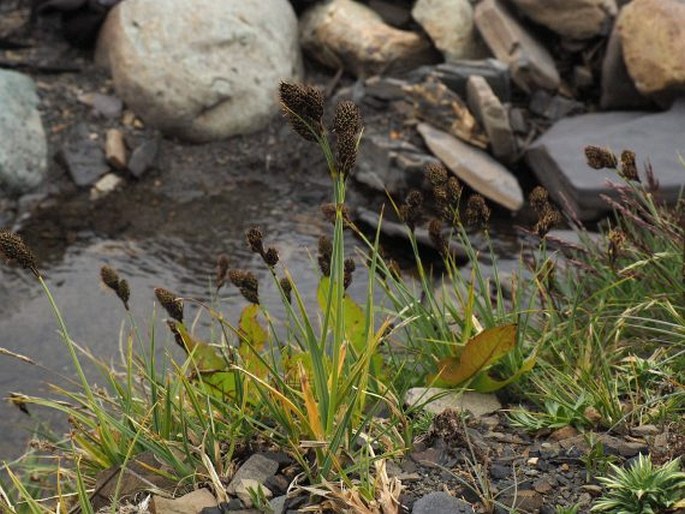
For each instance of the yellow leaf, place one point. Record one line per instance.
(480, 352)
(310, 403)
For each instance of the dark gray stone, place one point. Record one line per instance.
(456, 74)
(441, 503)
(23, 147)
(553, 107)
(257, 467)
(558, 160)
(82, 156)
(143, 157)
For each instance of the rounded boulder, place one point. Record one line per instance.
(201, 70)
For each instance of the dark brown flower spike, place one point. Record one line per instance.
(410, 212)
(617, 239)
(436, 174)
(599, 158)
(436, 237)
(255, 239)
(172, 303)
(303, 108)
(221, 270)
(325, 254)
(539, 199)
(287, 288)
(548, 219)
(477, 211)
(628, 168)
(111, 279)
(247, 284)
(13, 248)
(350, 266)
(329, 212)
(270, 257)
(347, 118)
(454, 191)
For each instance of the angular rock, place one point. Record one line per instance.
(441, 503)
(475, 167)
(23, 146)
(530, 63)
(115, 149)
(653, 39)
(477, 404)
(490, 112)
(144, 157)
(449, 23)
(380, 164)
(524, 500)
(618, 89)
(455, 75)
(105, 185)
(278, 504)
(575, 19)
(257, 467)
(82, 156)
(346, 34)
(553, 107)
(205, 76)
(106, 105)
(559, 163)
(191, 503)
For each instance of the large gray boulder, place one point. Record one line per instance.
(23, 147)
(201, 69)
(558, 160)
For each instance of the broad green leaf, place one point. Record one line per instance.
(355, 320)
(480, 351)
(205, 357)
(484, 383)
(250, 328)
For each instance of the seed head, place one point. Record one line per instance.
(349, 268)
(347, 118)
(13, 247)
(325, 254)
(172, 303)
(436, 174)
(247, 284)
(221, 270)
(598, 158)
(303, 108)
(548, 218)
(539, 199)
(124, 292)
(287, 288)
(270, 256)
(617, 239)
(477, 211)
(454, 191)
(346, 153)
(255, 239)
(436, 237)
(109, 277)
(411, 210)
(628, 166)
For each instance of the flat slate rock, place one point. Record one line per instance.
(441, 503)
(558, 159)
(83, 157)
(475, 167)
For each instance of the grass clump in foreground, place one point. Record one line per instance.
(591, 335)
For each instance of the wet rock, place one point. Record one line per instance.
(477, 404)
(618, 89)
(82, 156)
(346, 34)
(202, 77)
(191, 503)
(257, 467)
(392, 165)
(106, 105)
(441, 503)
(23, 147)
(115, 149)
(575, 19)
(144, 157)
(455, 75)
(653, 39)
(530, 63)
(490, 112)
(553, 107)
(558, 161)
(475, 167)
(449, 23)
